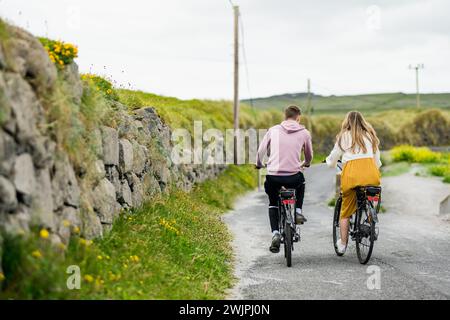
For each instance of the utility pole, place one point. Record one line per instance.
(236, 78)
(416, 68)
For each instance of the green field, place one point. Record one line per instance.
(367, 103)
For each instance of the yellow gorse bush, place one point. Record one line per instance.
(414, 154)
(60, 53)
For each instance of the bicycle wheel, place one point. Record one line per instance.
(365, 235)
(288, 243)
(336, 227)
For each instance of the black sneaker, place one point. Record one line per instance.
(275, 246)
(300, 218)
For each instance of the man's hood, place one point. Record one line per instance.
(291, 126)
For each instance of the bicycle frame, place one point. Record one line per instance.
(286, 213)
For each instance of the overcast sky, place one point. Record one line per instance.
(183, 48)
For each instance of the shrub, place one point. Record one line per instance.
(428, 128)
(324, 130)
(103, 85)
(60, 53)
(440, 170)
(385, 133)
(413, 154)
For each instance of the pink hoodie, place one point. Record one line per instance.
(284, 144)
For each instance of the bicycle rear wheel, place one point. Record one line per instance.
(288, 243)
(365, 236)
(336, 227)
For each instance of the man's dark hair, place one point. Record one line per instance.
(292, 112)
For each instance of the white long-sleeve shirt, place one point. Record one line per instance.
(346, 154)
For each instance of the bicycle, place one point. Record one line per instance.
(289, 230)
(363, 228)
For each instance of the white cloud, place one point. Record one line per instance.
(184, 47)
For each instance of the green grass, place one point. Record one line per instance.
(214, 114)
(174, 247)
(395, 169)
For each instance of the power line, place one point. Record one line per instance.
(244, 54)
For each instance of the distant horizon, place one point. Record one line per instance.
(341, 95)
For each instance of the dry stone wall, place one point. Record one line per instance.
(40, 187)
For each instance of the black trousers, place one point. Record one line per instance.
(272, 187)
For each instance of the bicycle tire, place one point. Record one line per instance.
(288, 243)
(363, 259)
(336, 227)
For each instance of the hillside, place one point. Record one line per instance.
(368, 103)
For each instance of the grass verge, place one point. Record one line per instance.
(174, 247)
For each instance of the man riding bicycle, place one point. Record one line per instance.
(284, 144)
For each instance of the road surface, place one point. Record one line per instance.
(411, 259)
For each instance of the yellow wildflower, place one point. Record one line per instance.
(134, 258)
(85, 242)
(66, 223)
(44, 234)
(88, 278)
(2, 277)
(99, 257)
(62, 246)
(37, 254)
(76, 230)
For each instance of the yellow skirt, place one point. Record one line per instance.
(359, 172)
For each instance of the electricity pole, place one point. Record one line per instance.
(416, 68)
(236, 78)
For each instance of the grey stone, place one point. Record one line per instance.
(70, 218)
(5, 111)
(24, 106)
(151, 185)
(99, 169)
(64, 184)
(125, 196)
(114, 177)
(27, 56)
(92, 227)
(140, 158)
(126, 158)
(7, 153)
(162, 173)
(17, 223)
(110, 142)
(41, 150)
(137, 190)
(24, 176)
(42, 207)
(105, 202)
(127, 128)
(8, 199)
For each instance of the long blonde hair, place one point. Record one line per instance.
(359, 128)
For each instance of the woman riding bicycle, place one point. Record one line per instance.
(357, 145)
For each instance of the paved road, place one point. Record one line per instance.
(412, 253)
